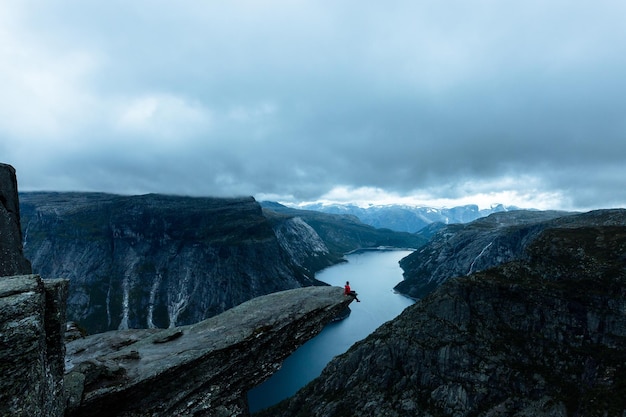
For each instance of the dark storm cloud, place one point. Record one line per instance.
(306, 100)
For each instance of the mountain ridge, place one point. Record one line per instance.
(161, 260)
(461, 249)
(406, 218)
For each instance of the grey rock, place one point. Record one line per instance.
(156, 261)
(204, 369)
(32, 320)
(12, 260)
(462, 249)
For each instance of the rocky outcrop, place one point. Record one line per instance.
(541, 336)
(12, 260)
(155, 261)
(204, 369)
(460, 250)
(32, 323)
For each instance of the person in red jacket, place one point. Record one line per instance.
(348, 291)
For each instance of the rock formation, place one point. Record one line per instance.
(204, 369)
(12, 260)
(155, 261)
(462, 249)
(541, 336)
(32, 321)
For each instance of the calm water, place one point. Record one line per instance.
(372, 274)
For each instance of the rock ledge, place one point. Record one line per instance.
(204, 369)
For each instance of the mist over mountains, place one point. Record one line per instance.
(405, 218)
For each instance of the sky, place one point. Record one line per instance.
(424, 102)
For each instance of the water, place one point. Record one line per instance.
(372, 274)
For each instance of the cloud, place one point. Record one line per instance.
(512, 102)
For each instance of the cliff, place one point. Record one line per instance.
(204, 369)
(540, 336)
(32, 321)
(462, 249)
(156, 261)
(12, 260)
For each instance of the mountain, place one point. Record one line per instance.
(162, 261)
(404, 218)
(544, 335)
(154, 260)
(200, 369)
(461, 249)
(343, 233)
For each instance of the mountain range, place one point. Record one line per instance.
(405, 218)
(162, 261)
(536, 329)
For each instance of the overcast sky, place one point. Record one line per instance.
(427, 101)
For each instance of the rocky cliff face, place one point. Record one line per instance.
(204, 369)
(158, 261)
(12, 260)
(155, 261)
(32, 321)
(460, 250)
(541, 336)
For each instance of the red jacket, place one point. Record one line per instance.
(347, 290)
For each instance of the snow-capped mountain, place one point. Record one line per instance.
(405, 218)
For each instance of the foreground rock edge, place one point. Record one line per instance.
(200, 369)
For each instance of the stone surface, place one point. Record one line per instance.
(542, 336)
(203, 369)
(32, 323)
(462, 249)
(12, 260)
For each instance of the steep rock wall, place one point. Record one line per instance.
(32, 324)
(12, 260)
(32, 321)
(545, 336)
(460, 250)
(154, 261)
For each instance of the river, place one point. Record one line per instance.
(372, 274)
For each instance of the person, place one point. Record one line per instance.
(348, 291)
